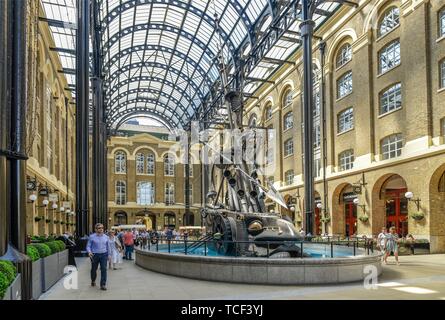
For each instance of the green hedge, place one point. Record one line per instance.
(33, 253)
(43, 249)
(9, 270)
(3, 285)
(61, 245)
(53, 246)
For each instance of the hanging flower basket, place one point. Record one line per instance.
(56, 221)
(37, 219)
(364, 218)
(48, 220)
(61, 222)
(417, 216)
(326, 219)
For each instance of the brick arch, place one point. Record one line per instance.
(437, 211)
(337, 223)
(378, 213)
(147, 148)
(372, 19)
(346, 35)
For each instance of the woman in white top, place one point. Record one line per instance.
(381, 240)
(115, 248)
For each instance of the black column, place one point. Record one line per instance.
(307, 29)
(4, 111)
(187, 181)
(82, 117)
(98, 148)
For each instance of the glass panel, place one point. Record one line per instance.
(389, 57)
(391, 99)
(344, 85)
(389, 21)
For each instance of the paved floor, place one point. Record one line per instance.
(418, 277)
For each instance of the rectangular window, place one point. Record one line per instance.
(344, 85)
(442, 23)
(442, 126)
(121, 193)
(288, 121)
(169, 194)
(346, 120)
(288, 147)
(389, 56)
(442, 73)
(317, 134)
(145, 193)
(346, 160)
(392, 146)
(391, 99)
(289, 177)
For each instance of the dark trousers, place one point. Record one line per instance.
(128, 252)
(102, 259)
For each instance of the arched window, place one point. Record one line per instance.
(389, 56)
(252, 121)
(140, 163)
(391, 146)
(150, 163)
(288, 120)
(145, 193)
(344, 55)
(120, 162)
(268, 112)
(390, 20)
(169, 165)
(346, 160)
(121, 192)
(288, 98)
(169, 220)
(391, 98)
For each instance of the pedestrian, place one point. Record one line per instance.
(98, 251)
(381, 241)
(129, 244)
(410, 242)
(115, 249)
(391, 245)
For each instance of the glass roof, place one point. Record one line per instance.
(160, 56)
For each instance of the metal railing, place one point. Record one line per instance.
(190, 247)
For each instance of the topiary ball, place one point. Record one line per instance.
(33, 253)
(43, 249)
(3, 285)
(9, 270)
(53, 246)
(61, 245)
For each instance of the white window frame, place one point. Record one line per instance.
(392, 19)
(288, 147)
(389, 56)
(289, 177)
(391, 146)
(140, 163)
(346, 160)
(120, 165)
(169, 194)
(390, 99)
(143, 196)
(442, 72)
(151, 163)
(344, 55)
(169, 165)
(345, 120)
(120, 192)
(344, 85)
(288, 121)
(288, 99)
(269, 112)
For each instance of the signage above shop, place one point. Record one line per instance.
(43, 192)
(53, 197)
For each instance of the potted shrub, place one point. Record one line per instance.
(33, 253)
(417, 216)
(48, 220)
(325, 219)
(364, 218)
(10, 283)
(62, 255)
(37, 219)
(4, 295)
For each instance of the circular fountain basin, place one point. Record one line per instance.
(320, 268)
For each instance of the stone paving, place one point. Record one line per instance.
(418, 277)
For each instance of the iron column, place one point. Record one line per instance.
(82, 116)
(307, 30)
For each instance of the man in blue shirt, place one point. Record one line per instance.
(98, 252)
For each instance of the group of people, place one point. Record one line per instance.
(388, 242)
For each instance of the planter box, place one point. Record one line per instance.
(36, 279)
(62, 261)
(14, 291)
(50, 272)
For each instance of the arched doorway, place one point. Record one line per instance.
(344, 211)
(391, 207)
(437, 211)
(170, 220)
(120, 218)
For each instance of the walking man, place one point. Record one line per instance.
(129, 244)
(98, 252)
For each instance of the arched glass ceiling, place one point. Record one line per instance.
(161, 54)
